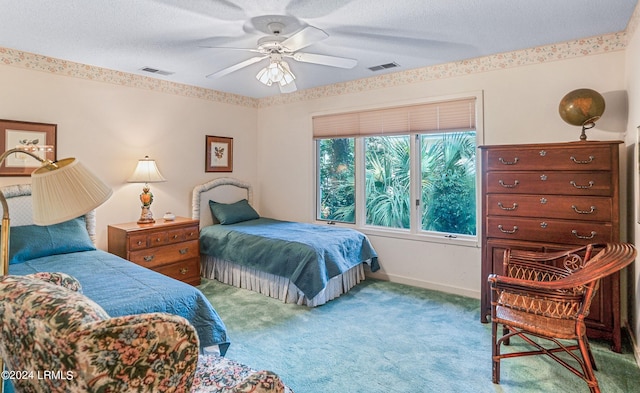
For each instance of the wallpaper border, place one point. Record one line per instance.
(541, 54)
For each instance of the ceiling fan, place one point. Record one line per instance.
(277, 48)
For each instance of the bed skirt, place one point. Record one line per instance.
(275, 286)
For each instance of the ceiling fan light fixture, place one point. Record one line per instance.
(276, 72)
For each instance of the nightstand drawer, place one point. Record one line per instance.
(157, 256)
(187, 271)
(137, 242)
(157, 239)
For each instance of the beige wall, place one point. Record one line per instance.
(633, 89)
(520, 106)
(109, 127)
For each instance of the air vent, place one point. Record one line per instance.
(155, 71)
(384, 66)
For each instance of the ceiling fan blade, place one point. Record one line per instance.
(236, 67)
(333, 61)
(289, 87)
(305, 37)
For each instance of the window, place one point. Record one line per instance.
(448, 186)
(406, 169)
(387, 181)
(336, 179)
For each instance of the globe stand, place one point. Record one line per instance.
(586, 126)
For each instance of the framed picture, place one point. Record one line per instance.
(219, 154)
(37, 138)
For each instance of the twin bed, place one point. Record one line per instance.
(119, 286)
(300, 263)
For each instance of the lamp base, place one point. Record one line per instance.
(146, 217)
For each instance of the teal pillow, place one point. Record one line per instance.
(33, 241)
(231, 213)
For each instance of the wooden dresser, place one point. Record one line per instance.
(168, 247)
(549, 197)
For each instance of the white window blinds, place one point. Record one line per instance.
(459, 115)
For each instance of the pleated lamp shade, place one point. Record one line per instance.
(65, 192)
(146, 172)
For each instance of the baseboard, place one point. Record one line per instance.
(634, 344)
(424, 284)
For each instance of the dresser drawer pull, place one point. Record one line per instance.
(581, 187)
(514, 230)
(503, 162)
(140, 242)
(515, 184)
(183, 251)
(184, 270)
(575, 233)
(591, 211)
(148, 258)
(158, 239)
(175, 236)
(590, 160)
(501, 206)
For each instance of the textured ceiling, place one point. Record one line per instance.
(172, 35)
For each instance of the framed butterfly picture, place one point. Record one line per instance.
(219, 154)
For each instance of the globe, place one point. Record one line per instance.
(582, 107)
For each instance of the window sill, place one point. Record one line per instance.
(428, 237)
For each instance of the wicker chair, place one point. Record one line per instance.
(547, 296)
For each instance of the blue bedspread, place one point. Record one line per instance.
(308, 254)
(124, 288)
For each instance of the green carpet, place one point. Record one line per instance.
(386, 337)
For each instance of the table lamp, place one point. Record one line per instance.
(146, 172)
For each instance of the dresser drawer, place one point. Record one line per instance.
(558, 183)
(550, 206)
(187, 271)
(554, 231)
(578, 158)
(157, 256)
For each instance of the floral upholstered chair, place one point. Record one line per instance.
(54, 339)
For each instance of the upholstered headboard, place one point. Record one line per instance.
(18, 198)
(222, 190)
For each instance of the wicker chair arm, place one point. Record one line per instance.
(141, 353)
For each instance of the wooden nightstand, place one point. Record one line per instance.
(168, 247)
